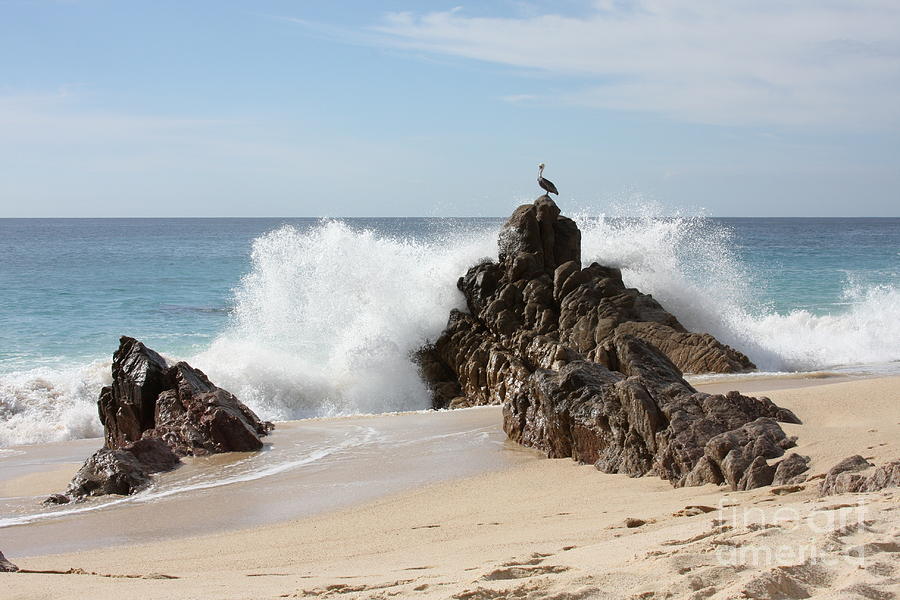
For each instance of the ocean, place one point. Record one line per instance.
(317, 317)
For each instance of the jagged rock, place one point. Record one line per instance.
(588, 368)
(539, 305)
(741, 453)
(178, 404)
(791, 470)
(6, 566)
(127, 406)
(847, 477)
(444, 386)
(644, 418)
(540, 288)
(196, 417)
(153, 414)
(885, 476)
(120, 471)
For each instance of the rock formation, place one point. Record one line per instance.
(178, 404)
(123, 471)
(791, 470)
(6, 566)
(848, 476)
(588, 368)
(539, 304)
(154, 413)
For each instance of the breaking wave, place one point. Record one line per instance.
(688, 264)
(325, 321)
(326, 318)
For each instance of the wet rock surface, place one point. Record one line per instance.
(178, 404)
(590, 369)
(121, 471)
(152, 415)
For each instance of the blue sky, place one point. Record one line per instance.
(301, 108)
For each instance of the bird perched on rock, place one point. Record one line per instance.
(546, 183)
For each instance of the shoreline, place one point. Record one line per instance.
(500, 530)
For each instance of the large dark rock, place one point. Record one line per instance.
(539, 305)
(588, 368)
(121, 471)
(644, 418)
(153, 414)
(6, 566)
(127, 406)
(179, 404)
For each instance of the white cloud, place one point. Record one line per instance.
(806, 62)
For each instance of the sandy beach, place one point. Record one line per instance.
(538, 528)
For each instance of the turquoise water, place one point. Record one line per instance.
(305, 317)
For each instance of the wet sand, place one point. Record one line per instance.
(307, 467)
(504, 523)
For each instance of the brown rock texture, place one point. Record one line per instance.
(122, 471)
(853, 475)
(152, 415)
(178, 404)
(6, 566)
(539, 305)
(588, 368)
(791, 470)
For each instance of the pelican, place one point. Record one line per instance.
(546, 183)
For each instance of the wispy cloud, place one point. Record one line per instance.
(60, 118)
(769, 62)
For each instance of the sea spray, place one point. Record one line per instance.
(690, 265)
(325, 317)
(50, 405)
(326, 320)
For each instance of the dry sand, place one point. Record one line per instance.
(549, 529)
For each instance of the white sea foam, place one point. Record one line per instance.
(326, 318)
(688, 265)
(49, 405)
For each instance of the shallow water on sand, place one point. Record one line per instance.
(307, 467)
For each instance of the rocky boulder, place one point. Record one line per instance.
(791, 470)
(645, 419)
(589, 368)
(853, 475)
(6, 566)
(148, 398)
(154, 413)
(122, 471)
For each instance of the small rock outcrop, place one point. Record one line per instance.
(850, 476)
(178, 404)
(152, 415)
(791, 470)
(6, 566)
(123, 471)
(588, 368)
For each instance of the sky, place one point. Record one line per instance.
(286, 108)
